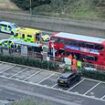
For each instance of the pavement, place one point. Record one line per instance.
(19, 82)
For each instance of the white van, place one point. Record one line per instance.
(8, 27)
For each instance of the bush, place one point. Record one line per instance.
(99, 75)
(29, 62)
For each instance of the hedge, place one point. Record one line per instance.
(29, 62)
(99, 75)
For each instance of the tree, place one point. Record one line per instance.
(25, 4)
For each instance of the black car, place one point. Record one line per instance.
(67, 79)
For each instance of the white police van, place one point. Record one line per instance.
(8, 27)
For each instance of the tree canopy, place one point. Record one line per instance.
(25, 4)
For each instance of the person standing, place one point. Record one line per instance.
(74, 65)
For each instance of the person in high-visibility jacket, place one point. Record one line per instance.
(74, 65)
(79, 64)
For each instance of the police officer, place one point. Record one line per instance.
(79, 64)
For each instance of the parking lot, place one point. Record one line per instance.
(86, 87)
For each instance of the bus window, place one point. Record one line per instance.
(61, 40)
(98, 47)
(90, 58)
(54, 39)
(89, 45)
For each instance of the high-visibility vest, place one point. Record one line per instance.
(79, 64)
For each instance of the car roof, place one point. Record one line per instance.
(66, 74)
(7, 23)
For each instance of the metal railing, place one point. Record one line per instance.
(59, 61)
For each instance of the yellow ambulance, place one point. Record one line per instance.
(30, 35)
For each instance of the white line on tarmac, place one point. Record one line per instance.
(6, 69)
(102, 97)
(32, 75)
(46, 78)
(76, 84)
(18, 73)
(68, 92)
(92, 88)
(54, 85)
(94, 80)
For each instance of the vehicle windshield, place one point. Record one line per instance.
(14, 26)
(62, 77)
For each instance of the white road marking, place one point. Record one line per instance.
(6, 69)
(76, 84)
(32, 75)
(68, 92)
(46, 78)
(92, 88)
(54, 85)
(102, 97)
(95, 80)
(18, 73)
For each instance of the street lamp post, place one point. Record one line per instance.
(30, 7)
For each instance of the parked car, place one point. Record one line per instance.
(8, 27)
(67, 79)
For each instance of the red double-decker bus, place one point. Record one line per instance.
(86, 48)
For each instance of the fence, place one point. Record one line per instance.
(41, 56)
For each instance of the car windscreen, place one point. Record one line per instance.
(14, 26)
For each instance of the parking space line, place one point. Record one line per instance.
(54, 85)
(102, 97)
(76, 84)
(46, 78)
(95, 80)
(18, 72)
(92, 88)
(32, 75)
(8, 68)
(69, 92)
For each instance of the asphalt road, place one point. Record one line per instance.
(12, 90)
(4, 36)
(15, 90)
(92, 28)
(18, 82)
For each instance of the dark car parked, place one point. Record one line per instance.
(67, 79)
